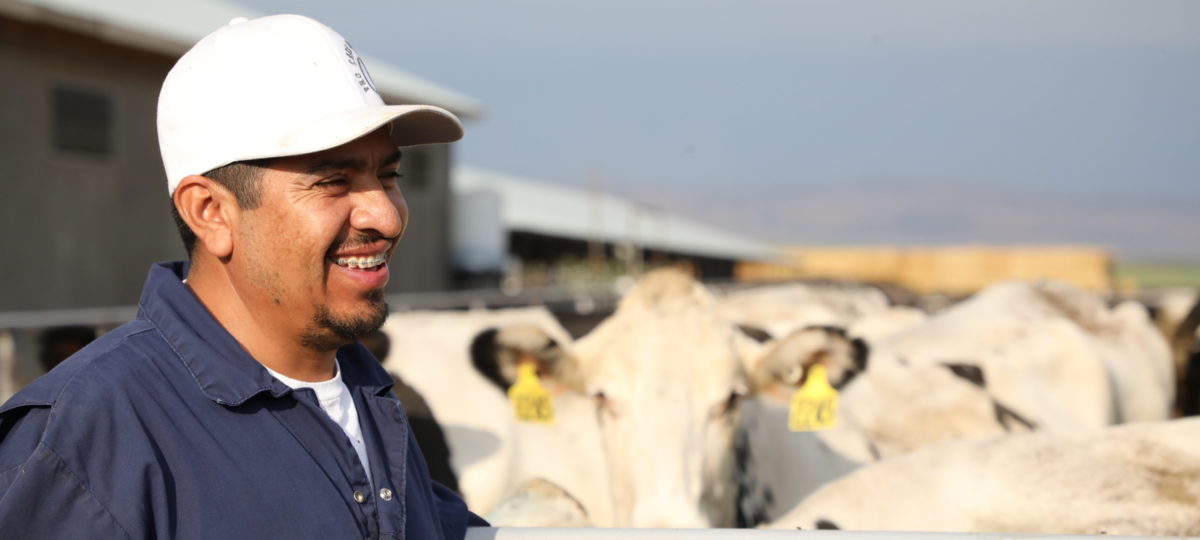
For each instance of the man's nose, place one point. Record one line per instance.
(380, 211)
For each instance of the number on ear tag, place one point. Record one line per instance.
(815, 405)
(531, 402)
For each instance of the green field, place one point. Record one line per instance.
(1153, 274)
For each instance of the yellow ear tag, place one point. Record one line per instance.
(814, 405)
(531, 402)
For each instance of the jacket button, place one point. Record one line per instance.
(358, 496)
(385, 494)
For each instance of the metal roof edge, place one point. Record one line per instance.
(92, 27)
(106, 23)
(680, 234)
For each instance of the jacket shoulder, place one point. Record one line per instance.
(105, 359)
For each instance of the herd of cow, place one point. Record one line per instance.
(1025, 408)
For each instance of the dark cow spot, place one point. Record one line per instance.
(875, 455)
(970, 372)
(1008, 417)
(826, 524)
(753, 501)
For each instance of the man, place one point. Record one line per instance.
(238, 404)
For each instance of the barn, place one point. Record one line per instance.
(505, 225)
(82, 175)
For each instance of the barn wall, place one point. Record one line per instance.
(80, 228)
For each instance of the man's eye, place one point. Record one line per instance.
(390, 179)
(333, 183)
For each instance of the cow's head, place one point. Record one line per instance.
(667, 374)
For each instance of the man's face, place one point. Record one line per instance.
(313, 256)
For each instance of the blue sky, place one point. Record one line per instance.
(832, 122)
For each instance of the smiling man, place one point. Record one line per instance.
(239, 404)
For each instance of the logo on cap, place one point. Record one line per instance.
(361, 76)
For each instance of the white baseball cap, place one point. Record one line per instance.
(277, 86)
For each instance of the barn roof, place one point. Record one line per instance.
(170, 28)
(555, 210)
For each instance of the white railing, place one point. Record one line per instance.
(518, 533)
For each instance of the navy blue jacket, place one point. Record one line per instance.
(167, 428)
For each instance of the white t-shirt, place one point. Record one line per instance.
(335, 400)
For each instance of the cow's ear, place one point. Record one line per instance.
(486, 359)
(497, 354)
(785, 364)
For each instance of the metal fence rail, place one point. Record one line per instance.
(517, 533)
(34, 320)
(596, 297)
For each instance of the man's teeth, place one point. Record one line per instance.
(361, 262)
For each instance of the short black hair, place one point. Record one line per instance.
(242, 178)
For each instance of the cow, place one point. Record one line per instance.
(1134, 479)
(645, 406)
(667, 414)
(1179, 319)
(1056, 354)
(886, 409)
(492, 453)
(692, 412)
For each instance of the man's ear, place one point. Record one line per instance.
(208, 209)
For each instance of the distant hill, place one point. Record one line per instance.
(1149, 274)
(929, 213)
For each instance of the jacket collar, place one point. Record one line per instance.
(223, 370)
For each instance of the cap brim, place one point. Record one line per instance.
(410, 125)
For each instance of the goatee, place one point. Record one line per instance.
(328, 332)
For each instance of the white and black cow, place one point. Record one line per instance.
(668, 415)
(491, 452)
(692, 413)
(1135, 479)
(1055, 354)
(886, 409)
